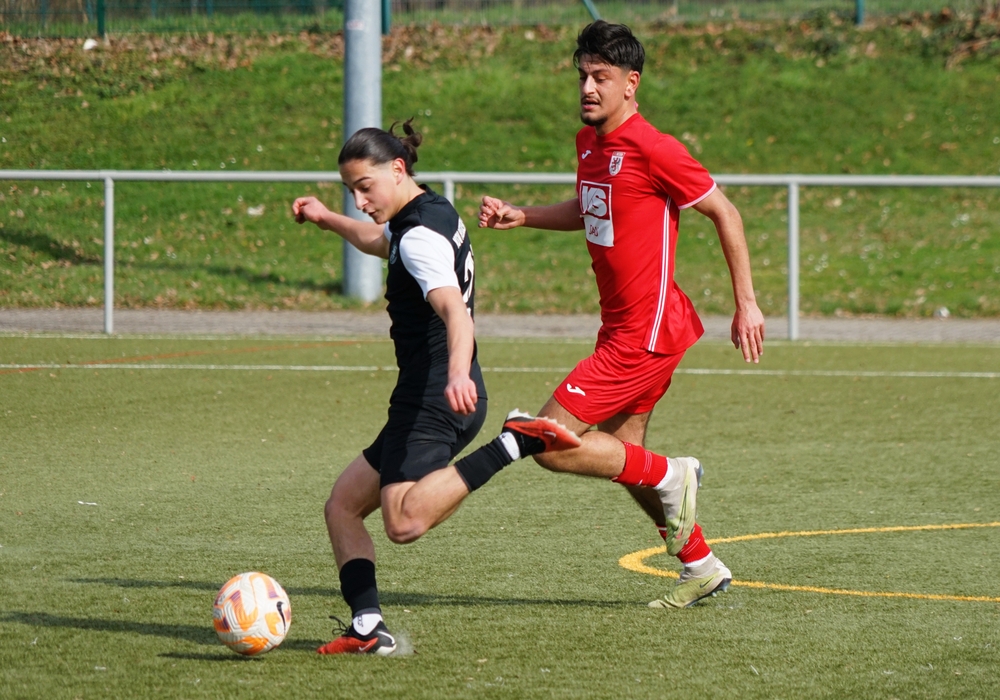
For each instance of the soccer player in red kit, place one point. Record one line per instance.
(632, 184)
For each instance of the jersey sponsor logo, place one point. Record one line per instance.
(393, 252)
(615, 166)
(595, 206)
(583, 156)
(575, 389)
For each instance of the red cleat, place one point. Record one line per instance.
(551, 435)
(379, 642)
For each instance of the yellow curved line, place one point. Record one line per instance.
(637, 562)
(855, 531)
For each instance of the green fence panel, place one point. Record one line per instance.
(80, 18)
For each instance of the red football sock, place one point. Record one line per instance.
(642, 467)
(695, 548)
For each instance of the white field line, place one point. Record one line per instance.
(500, 340)
(502, 370)
(277, 337)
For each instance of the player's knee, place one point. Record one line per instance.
(333, 510)
(339, 508)
(405, 530)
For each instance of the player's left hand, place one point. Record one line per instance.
(748, 331)
(462, 395)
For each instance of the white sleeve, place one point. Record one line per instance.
(429, 257)
(387, 232)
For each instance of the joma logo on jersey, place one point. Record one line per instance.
(595, 200)
(595, 205)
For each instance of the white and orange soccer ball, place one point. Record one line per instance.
(252, 613)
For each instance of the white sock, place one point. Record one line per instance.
(509, 443)
(671, 479)
(696, 564)
(703, 567)
(364, 624)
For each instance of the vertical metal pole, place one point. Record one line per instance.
(386, 17)
(859, 12)
(793, 261)
(109, 255)
(362, 108)
(592, 9)
(100, 19)
(449, 191)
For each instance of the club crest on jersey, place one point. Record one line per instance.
(616, 162)
(393, 252)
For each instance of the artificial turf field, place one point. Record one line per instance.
(131, 490)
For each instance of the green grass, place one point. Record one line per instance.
(199, 474)
(763, 98)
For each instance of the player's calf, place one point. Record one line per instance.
(675, 480)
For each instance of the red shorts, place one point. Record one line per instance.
(616, 379)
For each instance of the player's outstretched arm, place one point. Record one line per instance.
(748, 322)
(495, 213)
(461, 391)
(366, 237)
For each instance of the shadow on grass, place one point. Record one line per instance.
(401, 598)
(47, 245)
(302, 645)
(203, 635)
(190, 633)
(191, 585)
(57, 250)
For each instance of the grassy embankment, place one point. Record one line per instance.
(820, 97)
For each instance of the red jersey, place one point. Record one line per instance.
(631, 185)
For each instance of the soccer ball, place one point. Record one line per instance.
(252, 614)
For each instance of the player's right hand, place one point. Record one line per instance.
(462, 395)
(495, 213)
(308, 209)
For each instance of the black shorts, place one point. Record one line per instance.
(420, 437)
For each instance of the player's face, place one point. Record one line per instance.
(605, 91)
(375, 186)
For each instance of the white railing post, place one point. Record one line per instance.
(109, 255)
(793, 260)
(451, 178)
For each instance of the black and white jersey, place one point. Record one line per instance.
(429, 248)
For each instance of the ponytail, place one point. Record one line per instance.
(379, 146)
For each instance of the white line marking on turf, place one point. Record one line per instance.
(839, 373)
(508, 370)
(235, 368)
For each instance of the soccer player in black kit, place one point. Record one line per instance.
(439, 402)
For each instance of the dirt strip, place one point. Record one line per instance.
(376, 323)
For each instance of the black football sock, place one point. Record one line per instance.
(526, 444)
(480, 466)
(357, 584)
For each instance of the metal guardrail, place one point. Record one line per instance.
(450, 179)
